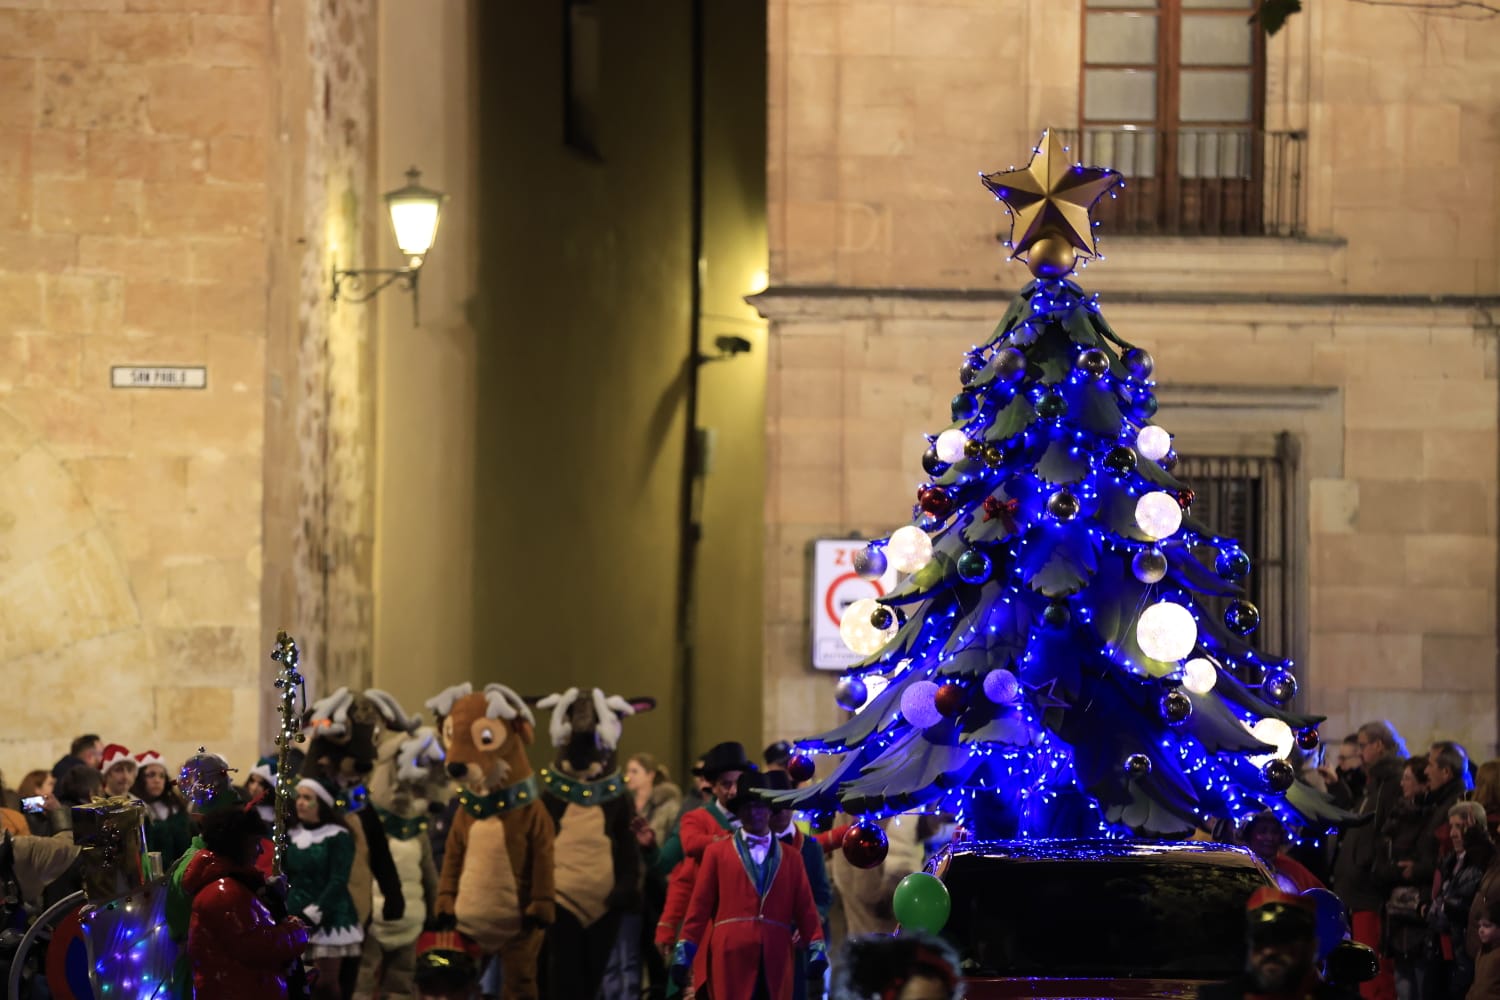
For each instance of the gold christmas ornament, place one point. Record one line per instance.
(1050, 200)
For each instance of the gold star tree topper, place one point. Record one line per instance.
(1050, 201)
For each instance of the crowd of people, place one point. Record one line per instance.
(1418, 872)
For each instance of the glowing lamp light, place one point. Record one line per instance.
(415, 211)
(1166, 631)
(950, 445)
(1153, 442)
(909, 549)
(1199, 675)
(857, 631)
(1158, 514)
(1278, 734)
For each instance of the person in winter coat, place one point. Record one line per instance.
(237, 951)
(1487, 963)
(1405, 932)
(1382, 755)
(750, 897)
(1453, 895)
(1445, 787)
(317, 870)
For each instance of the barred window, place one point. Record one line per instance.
(1249, 499)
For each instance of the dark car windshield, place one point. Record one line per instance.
(1116, 919)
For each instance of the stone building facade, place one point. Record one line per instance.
(1367, 340)
(176, 179)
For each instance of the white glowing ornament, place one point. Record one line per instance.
(950, 445)
(1166, 631)
(1278, 734)
(1158, 515)
(1199, 675)
(857, 632)
(909, 549)
(1153, 442)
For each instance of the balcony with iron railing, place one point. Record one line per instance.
(1218, 181)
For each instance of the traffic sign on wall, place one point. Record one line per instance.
(835, 587)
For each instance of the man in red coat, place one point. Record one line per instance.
(722, 767)
(749, 898)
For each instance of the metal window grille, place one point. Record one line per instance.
(1249, 499)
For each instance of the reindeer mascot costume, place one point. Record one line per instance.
(496, 883)
(598, 860)
(408, 772)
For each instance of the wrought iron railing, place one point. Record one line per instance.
(1222, 181)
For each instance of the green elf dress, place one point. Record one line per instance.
(317, 870)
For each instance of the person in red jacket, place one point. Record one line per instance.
(722, 767)
(749, 898)
(237, 950)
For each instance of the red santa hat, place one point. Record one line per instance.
(115, 754)
(150, 757)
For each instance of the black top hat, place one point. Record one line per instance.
(777, 781)
(746, 789)
(725, 757)
(778, 753)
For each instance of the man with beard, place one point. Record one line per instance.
(1281, 945)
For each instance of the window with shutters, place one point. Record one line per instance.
(1172, 97)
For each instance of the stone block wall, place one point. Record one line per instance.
(882, 112)
(1394, 409)
(134, 214)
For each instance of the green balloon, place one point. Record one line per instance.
(922, 903)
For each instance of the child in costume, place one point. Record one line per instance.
(750, 897)
(237, 950)
(317, 870)
(168, 830)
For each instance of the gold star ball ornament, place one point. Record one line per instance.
(1050, 201)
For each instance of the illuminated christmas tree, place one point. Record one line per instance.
(1047, 666)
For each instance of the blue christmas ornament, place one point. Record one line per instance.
(1233, 564)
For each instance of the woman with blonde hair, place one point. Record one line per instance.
(657, 800)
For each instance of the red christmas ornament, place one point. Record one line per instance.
(1307, 739)
(950, 699)
(935, 501)
(865, 845)
(1185, 498)
(801, 768)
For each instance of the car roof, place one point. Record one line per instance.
(1176, 852)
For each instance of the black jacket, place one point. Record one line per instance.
(1363, 847)
(1428, 846)
(1240, 987)
(1401, 833)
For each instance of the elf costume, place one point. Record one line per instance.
(317, 870)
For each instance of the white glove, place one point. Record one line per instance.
(314, 913)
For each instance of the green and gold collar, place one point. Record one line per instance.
(402, 827)
(496, 803)
(584, 793)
